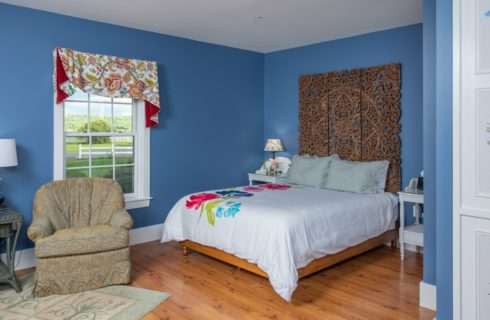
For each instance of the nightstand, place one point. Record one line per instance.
(412, 234)
(10, 224)
(265, 178)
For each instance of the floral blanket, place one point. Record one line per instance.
(280, 227)
(225, 203)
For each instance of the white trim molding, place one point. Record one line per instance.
(145, 234)
(142, 136)
(428, 294)
(27, 259)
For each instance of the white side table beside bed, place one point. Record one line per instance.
(412, 234)
(266, 178)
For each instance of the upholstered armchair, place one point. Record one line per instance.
(81, 234)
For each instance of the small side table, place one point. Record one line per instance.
(266, 178)
(10, 222)
(413, 234)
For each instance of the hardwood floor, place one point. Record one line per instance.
(375, 285)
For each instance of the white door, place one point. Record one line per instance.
(471, 159)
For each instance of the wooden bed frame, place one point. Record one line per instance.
(354, 114)
(313, 267)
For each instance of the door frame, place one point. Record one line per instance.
(457, 159)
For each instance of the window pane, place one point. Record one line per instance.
(124, 175)
(77, 173)
(102, 153)
(124, 150)
(103, 172)
(123, 118)
(77, 152)
(100, 117)
(123, 100)
(95, 98)
(76, 116)
(78, 96)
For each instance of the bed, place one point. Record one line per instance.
(280, 228)
(286, 232)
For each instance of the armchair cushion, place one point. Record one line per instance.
(121, 219)
(40, 228)
(73, 241)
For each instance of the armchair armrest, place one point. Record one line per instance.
(121, 219)
(40, 228)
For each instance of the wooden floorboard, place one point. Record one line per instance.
(375, 285)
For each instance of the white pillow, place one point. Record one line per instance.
(309, 171)
(382, 178)
(357, 176)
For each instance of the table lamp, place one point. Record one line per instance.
(274, 145)
(8, 158)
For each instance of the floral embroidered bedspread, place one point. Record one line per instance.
(280, 227)
(226, 203)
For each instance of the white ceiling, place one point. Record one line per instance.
(282, 24)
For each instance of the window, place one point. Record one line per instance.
(104, 137)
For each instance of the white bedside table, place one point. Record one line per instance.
(413, 234)
(265, 178)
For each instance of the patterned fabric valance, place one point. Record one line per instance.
(107, 76)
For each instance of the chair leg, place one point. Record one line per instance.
(185, 251)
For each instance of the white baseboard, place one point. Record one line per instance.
(26, 259)
(23, 259)
(413, 248)
(428, 294)
(145, 234)
(408, 247)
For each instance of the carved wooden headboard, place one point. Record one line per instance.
(353, 114)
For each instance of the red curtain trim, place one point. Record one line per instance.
(150, 111)
(61, 77)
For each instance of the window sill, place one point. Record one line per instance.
(135, 203)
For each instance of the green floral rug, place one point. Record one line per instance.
(114, 302)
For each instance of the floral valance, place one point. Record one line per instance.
(107, 76)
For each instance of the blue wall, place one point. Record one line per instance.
(219, 103)
(211, 131)
(444, 173)
(283, 68)
(429, 116)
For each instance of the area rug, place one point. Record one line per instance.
(114, 302)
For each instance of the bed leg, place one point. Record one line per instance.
(185, 251)
(393, 243)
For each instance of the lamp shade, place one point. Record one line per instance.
(274, 145)
(8, 153)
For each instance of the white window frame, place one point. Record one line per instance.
(141, 196)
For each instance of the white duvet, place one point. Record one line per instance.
(280, 227)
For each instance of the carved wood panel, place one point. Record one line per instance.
(353, 114)
(344, 110)
(314, 116)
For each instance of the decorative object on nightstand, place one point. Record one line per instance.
(274, 145)
(265, 178)
(10, 221)
(412, 234)
(8, 158)
(275, 167)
